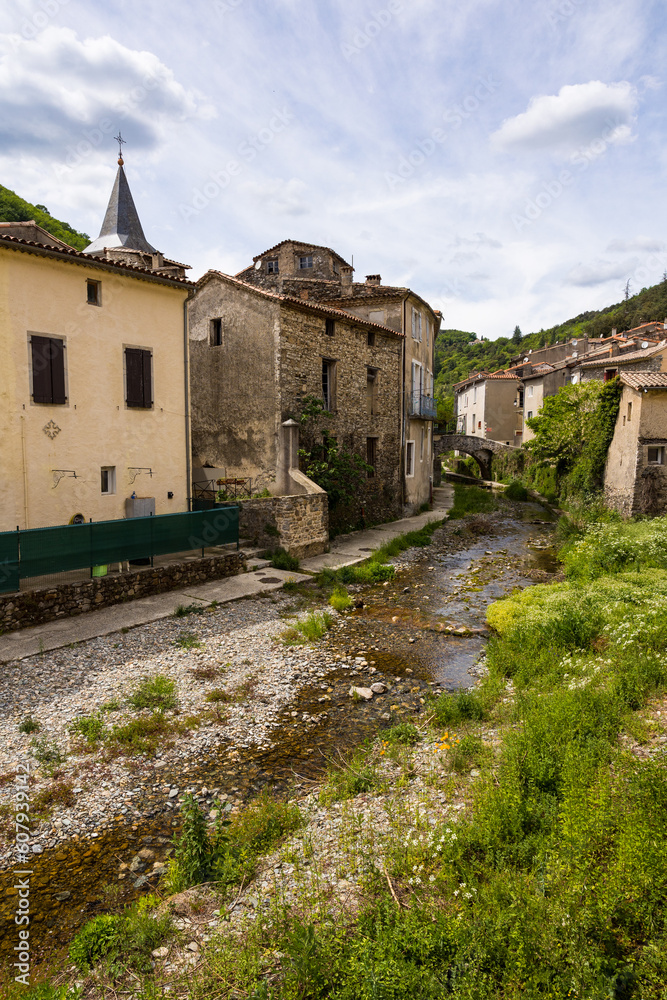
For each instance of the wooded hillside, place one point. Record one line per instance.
(15, 209)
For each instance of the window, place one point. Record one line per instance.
(410, 458)
(529, 414)
(371, 391)
(629, 412)
(474, 396)
(48, 370)
(305, 262)
(216, 333)
(416, 324)
(138, 378)
(371, 455)
(428, 332)
(479, 425)
(530, 390)
(330, 327)
(272, 266)
(329, 384)
(473, 423)
(371, 338)
(655, 456)
(108, 479)
(610, 373)
(94, 292)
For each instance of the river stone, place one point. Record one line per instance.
(364, 693)
(160, 952)
(378, 688)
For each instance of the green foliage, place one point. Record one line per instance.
(352, 777)
(99, 939)
(467, 752)
(280, 559)
(140, 736)
(47, 753)
(121, 940)
(614, 546)
(187, 609)
(323, 460)
(187, 640)
(573, 431)
(471, 500)
(15, 209)
(90, 727)
(516, 491)
(309, 629)
(340, 600)
(193, 849)
(464, 706)
(157, 692)
(46, 991)
(29, 725)
(402, 733)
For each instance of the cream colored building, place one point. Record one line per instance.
(94, 394)
(635, 479)
(485, 405)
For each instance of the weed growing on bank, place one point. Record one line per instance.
(376, 568)
(309, 629)
(471, 500)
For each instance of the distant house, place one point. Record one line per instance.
(609, 362)
(314, 273)
(635, 479)
(486, 406)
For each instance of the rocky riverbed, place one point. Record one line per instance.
(250, 711)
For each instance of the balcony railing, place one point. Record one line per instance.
(422, 406)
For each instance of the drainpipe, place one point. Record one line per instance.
(25, 473)
(186, 367)
(402, 408)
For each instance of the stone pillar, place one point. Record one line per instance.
(288, 457)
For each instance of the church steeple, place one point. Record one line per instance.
(121, 226)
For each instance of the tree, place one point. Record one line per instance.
(517, 335)
(335, 469)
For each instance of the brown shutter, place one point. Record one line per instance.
(147, 381)
(133, 377)
(41, 369)
(58, 372)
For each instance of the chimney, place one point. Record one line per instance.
(613, 331)
(157, 261)
(373, 279)
(614, 350)
(346, 276)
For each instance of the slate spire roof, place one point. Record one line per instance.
(121, 226)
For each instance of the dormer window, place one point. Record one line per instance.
(305, 262)
(272, 266)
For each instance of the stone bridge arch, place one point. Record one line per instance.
(481, 449)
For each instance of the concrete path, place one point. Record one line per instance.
(54, 635)
(345, 550)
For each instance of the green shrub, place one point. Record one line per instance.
(340, 600)
(46, 991)
(119, 941)
(29, 725)
(90, 727)
(466, 752)
(48, 754)
(280, 559)
(402, 733)
(188, 609)
(142, 735)
(516, 491)
(188, 640)
(157, 692)
(309, 629)
(99, 939)
(463, 706)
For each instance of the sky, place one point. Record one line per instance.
(505, 159)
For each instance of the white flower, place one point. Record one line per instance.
(432, 878)
(456, 892)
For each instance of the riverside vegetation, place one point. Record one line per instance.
(551, 883)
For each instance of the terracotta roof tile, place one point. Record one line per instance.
(612, 362)
(645, 380)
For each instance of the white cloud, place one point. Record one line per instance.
(600, 272)
(576, 116)
(59, 90)
(646, 243)
(279, 197)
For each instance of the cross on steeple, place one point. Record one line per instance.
(121, 142)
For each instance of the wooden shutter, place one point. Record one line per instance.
(147, 386)
(133, 377)
(41, 370)
(58, 372)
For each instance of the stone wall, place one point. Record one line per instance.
(298, 524)
(653, 364)
(68, 599)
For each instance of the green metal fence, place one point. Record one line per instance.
(40, 551)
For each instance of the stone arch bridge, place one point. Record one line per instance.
(481, 449)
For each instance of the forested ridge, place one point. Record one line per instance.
(15, 209)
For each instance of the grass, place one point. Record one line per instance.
(48, 754)
(90, 728)
(157, 692)
(58, 794)
(183, 610)
(471, 500)
(143, 735)
(280, 559)
(188, 640)
(376, 569)
(115, 943)
(312, 628)
(340, 600)
(29, 725)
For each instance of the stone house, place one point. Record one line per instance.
(612, 361)
(486, 405)
(635, 479)
(94, 392)
(257, 355)
(315, 273)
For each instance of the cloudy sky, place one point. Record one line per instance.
(504, 158)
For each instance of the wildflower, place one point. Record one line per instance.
(432, 878)
(456, 892)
